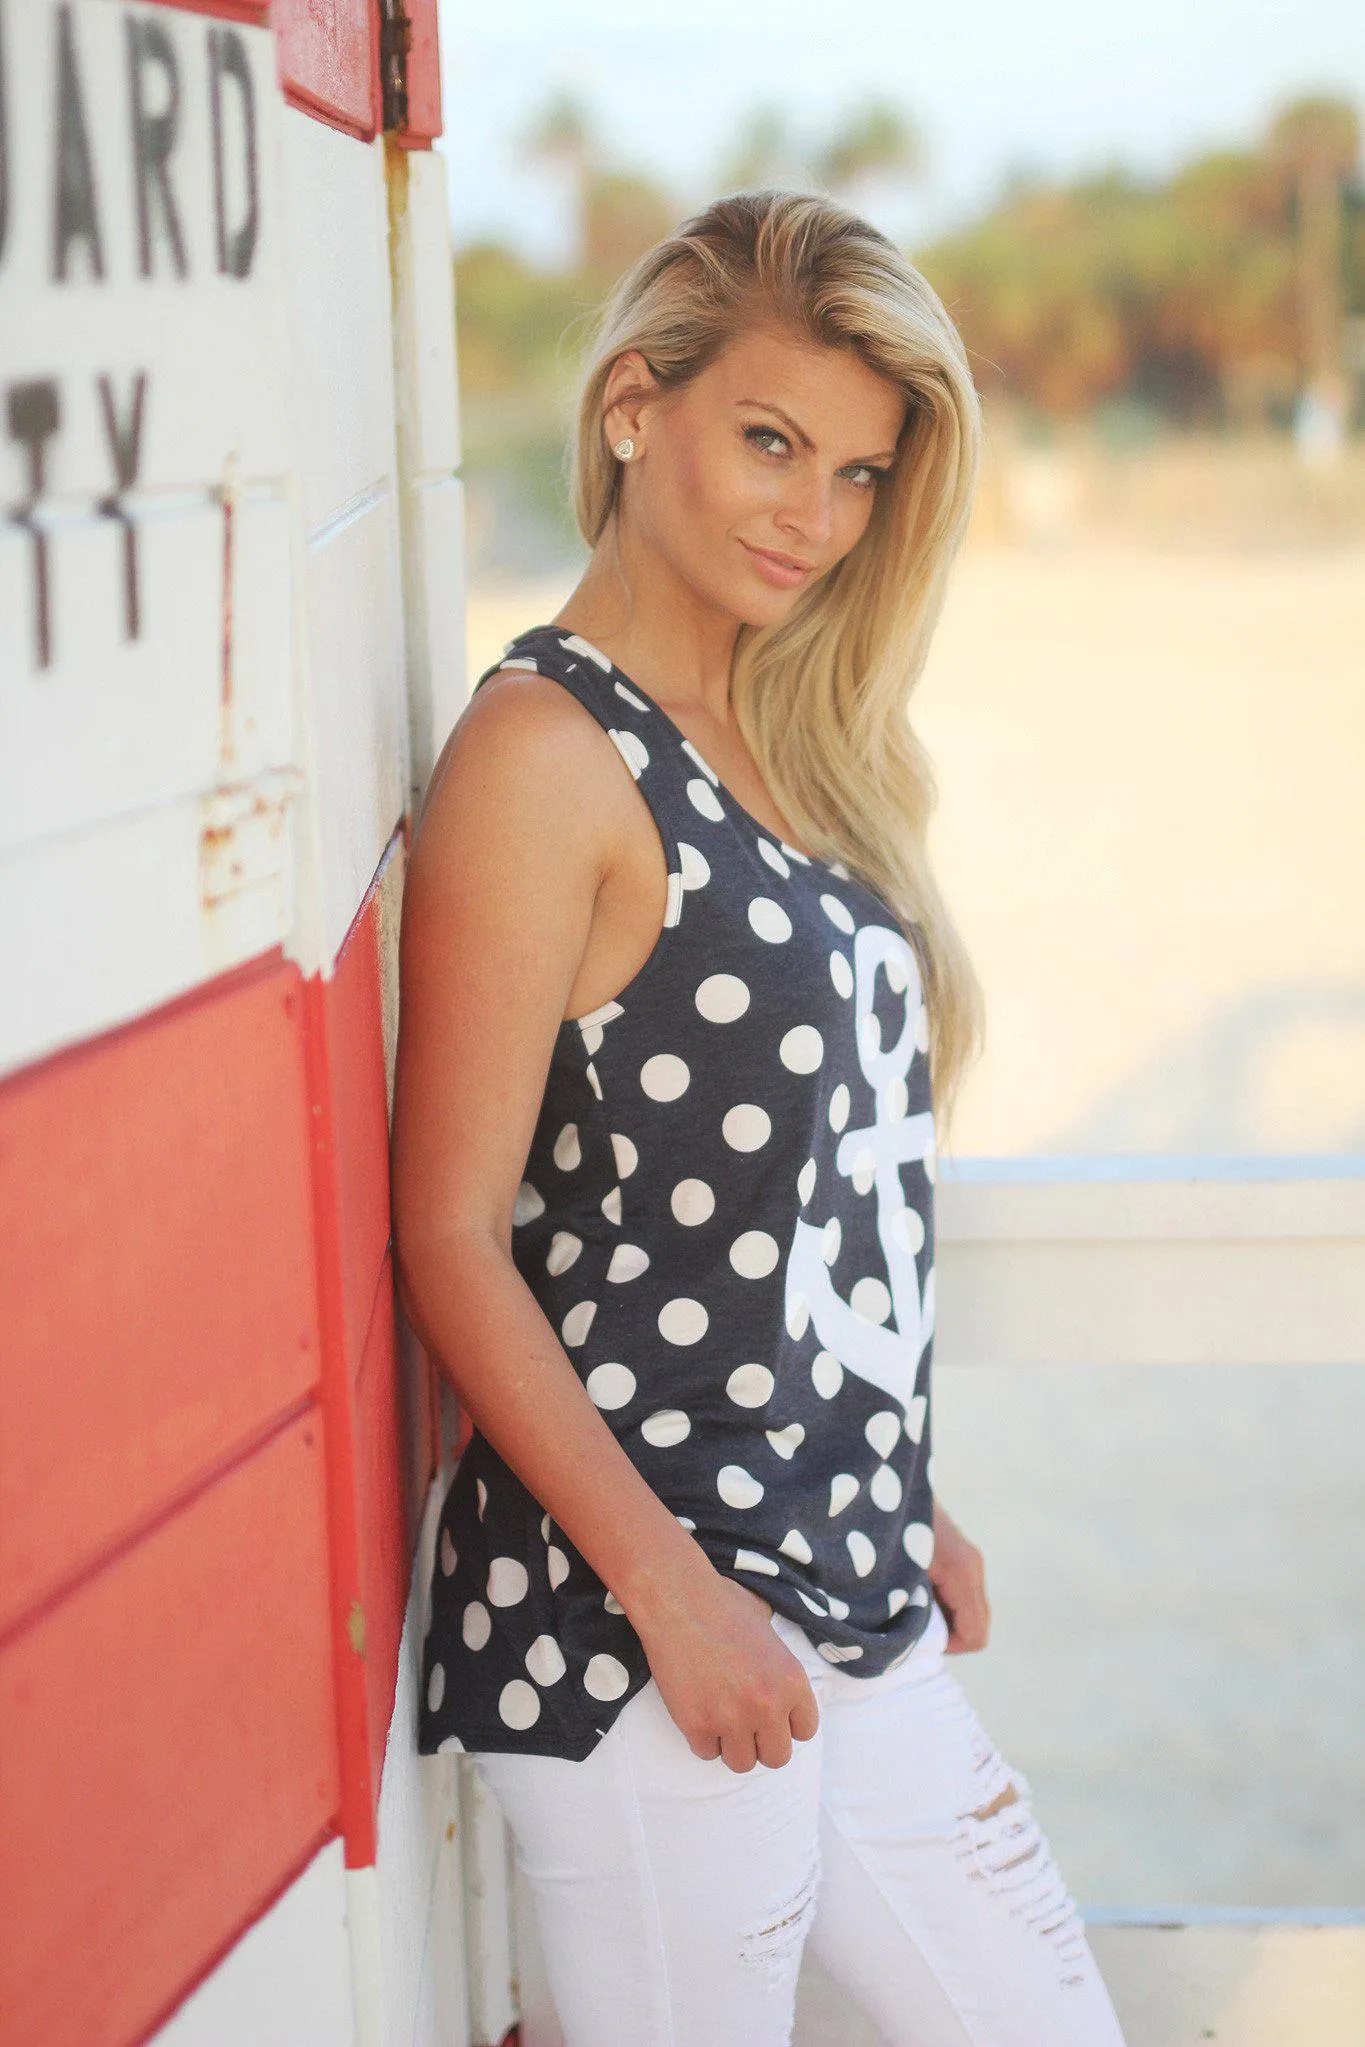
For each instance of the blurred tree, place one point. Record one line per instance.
(623, 215)
(561, 134)
(873, 137)
(766, 152)
(1316, 142)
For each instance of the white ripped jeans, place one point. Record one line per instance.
(674, 1896)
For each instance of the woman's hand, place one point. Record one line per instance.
(730, 1683)
(957, 1572)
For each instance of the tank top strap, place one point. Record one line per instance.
(674, 780)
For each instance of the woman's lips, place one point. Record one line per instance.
(775, 568)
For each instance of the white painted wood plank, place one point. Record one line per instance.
(287, 1982)
(353, 716)
(99, 928)
(342, 351)
(424, 316)
(210, 343)
(434, 605)
(115, 725)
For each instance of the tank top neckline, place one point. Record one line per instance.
(722, 788)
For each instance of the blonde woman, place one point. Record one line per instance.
(683, 1013)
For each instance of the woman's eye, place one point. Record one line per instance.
(870, 473)
(755, 434)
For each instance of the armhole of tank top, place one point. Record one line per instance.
(657, 956)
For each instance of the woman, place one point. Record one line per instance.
(664, 1145)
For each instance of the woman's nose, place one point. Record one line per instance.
(809, 510)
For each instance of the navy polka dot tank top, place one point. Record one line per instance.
(727, 1218)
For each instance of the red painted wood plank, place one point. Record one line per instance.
(424, 76)
(168, 1753)
(360, 1119)
(385, 1530)
(158, 1303)
(329, 60)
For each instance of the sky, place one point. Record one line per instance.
(1057, 88)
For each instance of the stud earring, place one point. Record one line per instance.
(625, 449)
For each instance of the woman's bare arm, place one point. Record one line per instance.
(515, 840)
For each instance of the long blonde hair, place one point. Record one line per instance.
(822, 699)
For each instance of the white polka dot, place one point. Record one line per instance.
(627, 1157)
(692, 1202)
(481, 1495)
(738, 1487)
(920, 1596)
(436, 1687)
(802, 1048)
(683, 1320)
(613, 1604)
(786, 1441)
(918, 1543)
(628, 1261)
(519, 1703)
(684, 1520)
(577, 1322)
(669, 1425)
(673, 901)
(805, 1181)
(632, 750)
(664, 1077)
(836, 1652)
(838, 1607)
(883, 1431)
(507, 1581)
(798, 1316)
(449, 1554)
(452, 1745)
(629, 695)
(896, 1598)
(896, 968)
(696, 868)
(722, 997)
(885, 1489)
(752, 1560)
(529, 1204)
(610, 1385)
(914, 1416)
(477, 1625)
(611, 1205)
(870, 1034)
(831, 1237)
(769, 920)
(896, 1097)
(606, 1677)
(843, 1487)
(813, 1604)
(870, 1298)
(564, 1248)
(841, 973)
(568, 1153)
(839, 1104)
(558, 1564)
(794, 1544)
(750, 1385)
(704, 799)
(836, 912)
(545, 1660)
(694, 753)
(746, 1127)
(576, 644)
(593, 1081)
(922, 1029)
(769, 852)
(908, 1227)
(827, 1374)
(754, 1254)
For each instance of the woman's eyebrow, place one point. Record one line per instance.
(766, 405)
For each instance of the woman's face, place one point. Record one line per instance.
(770, 456)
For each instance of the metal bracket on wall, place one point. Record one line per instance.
(395, 42)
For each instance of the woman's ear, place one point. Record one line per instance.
(630, 386)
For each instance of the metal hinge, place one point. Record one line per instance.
(395, 41)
